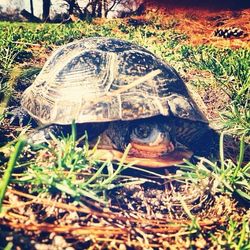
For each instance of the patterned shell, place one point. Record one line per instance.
(104, 79)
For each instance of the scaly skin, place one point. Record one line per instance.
(19, 116)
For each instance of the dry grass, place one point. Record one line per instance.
(31, 214)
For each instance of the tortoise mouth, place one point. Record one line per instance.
(151, 151)
(171, 159)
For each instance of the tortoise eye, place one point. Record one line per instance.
(146, 133)
(142, 131)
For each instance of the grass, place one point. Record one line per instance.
(236, 235)
(229, 177)
(237, 119)
(8, 172)
(231, 70)
(63, 167)
(75, 174)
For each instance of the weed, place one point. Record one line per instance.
(236, 235)
(237, 119)
(229, 177)
(231, 70)
(11, 164)
(230, 67)
(7, 56)
(62, 166)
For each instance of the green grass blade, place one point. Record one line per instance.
(9, 246)
(243, 194)
(74, 132)
(120, 167)
(222, 159)
(241, 156)
(243, 233)
(11, 164)
(96, 174)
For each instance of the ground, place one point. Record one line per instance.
(62, 197)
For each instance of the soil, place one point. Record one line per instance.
(140, 217)
(200, 22)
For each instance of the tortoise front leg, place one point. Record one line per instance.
(43, 135)
(19, 116)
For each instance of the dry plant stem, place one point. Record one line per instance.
(162, 225)
(26, 43)
(138, 81)
(135, 83)
(98, 230)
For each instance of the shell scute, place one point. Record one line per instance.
(137, 63)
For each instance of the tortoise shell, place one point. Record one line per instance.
(106, 79)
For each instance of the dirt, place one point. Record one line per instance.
(156, 201)
(200, 23)
(140, 217)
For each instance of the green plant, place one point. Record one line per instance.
(7, 57)
(237, 119)
(231, 70)
(63, 167)
(236, 235)
(229, 177)
(11, 164)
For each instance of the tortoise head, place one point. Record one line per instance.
(151, 142)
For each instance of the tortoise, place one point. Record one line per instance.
(125, 95)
